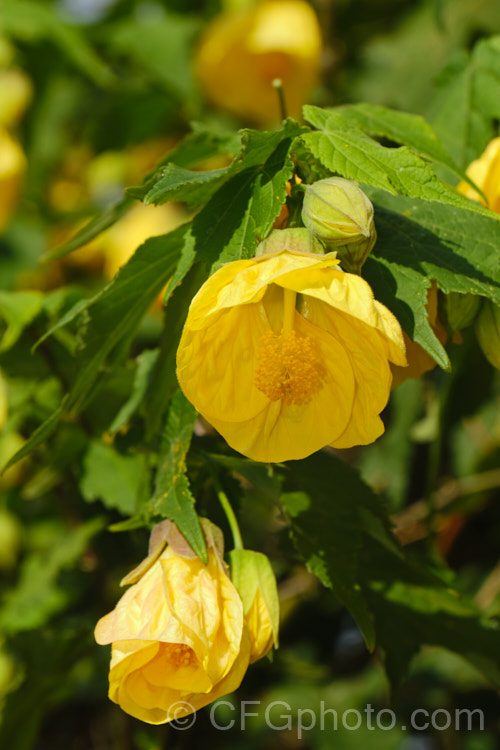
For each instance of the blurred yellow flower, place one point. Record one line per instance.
(178, 634)
(285, 354)
(12, 168)
(485, 173)
(242, 52)
(16, 91)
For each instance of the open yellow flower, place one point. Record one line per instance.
(179, 635)
(485, 172)
(242, 52)
(285, 353)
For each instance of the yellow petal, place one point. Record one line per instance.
(281, 432)
(215, 365)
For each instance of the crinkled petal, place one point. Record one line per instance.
(216, 365)
(350, 294)
(281, 432)
(245, 281)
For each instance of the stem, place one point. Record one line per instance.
(230, 515)
(278, 86)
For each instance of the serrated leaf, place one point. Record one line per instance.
(115, 313)
(467, 101)
(402, 127)
(326, 527)
(114, 479)
(172, 497)
(354, 155)
(348, 545)
(192, 187)
(418, 241)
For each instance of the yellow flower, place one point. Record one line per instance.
(242, 52)
(16, 91)
(285, 354)
(485, 172)
(12, 168)
(178, 634)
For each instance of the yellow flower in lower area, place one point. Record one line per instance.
(12, 168)
(485, 173)
(178, 635)
(242, 52)
(285, 353)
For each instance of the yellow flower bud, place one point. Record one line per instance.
(285, 353)
(179, 637)
(488, 332)
(253, 576)
(242, 52)
(338, 212)
(12, 168)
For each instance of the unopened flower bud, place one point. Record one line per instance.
(488, 332)
(296, 240)
(338, 212)
(459, 310)
(253, 577)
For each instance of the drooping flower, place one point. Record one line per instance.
(485, 173)
(285, 353)
(242, 52)
(179, 637)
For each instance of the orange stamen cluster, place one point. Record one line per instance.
(178, 654)
(289, 368)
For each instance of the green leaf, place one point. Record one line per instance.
(172, 497)
(418, 241)
(145, 364)
(356, 156)
(193, 187)
(18, 310)
(87, 233)
(39, 436)
(117, 480)
(402, 127)
(318, 497)
(32, 21)
(341, 531)
(467, 101)
(163, 382)
(114, 314)
(412, 607)
(37, 596)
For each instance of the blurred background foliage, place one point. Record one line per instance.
(93, 94)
